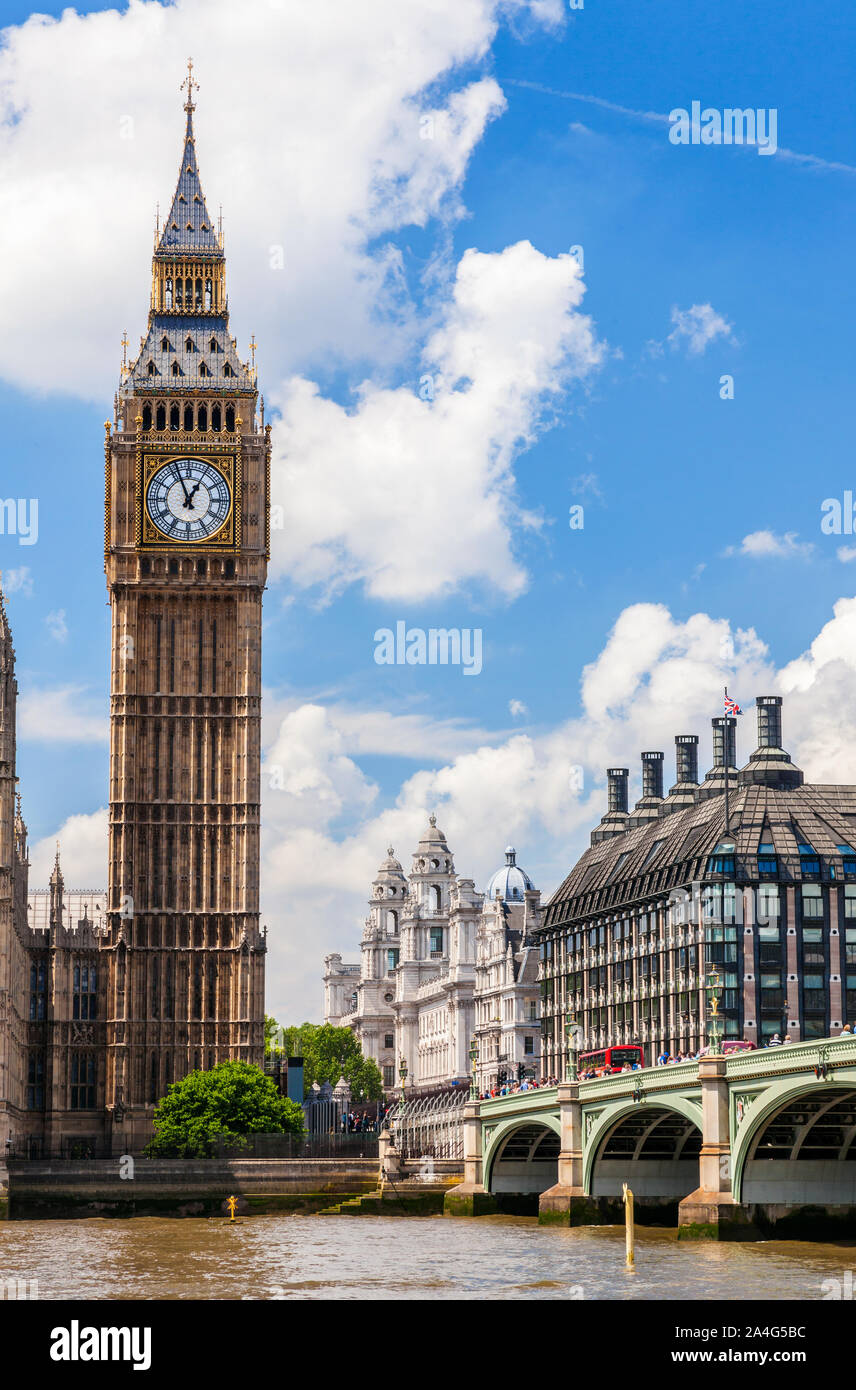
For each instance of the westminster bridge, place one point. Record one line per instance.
(729, 1147)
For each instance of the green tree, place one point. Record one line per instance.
(329, 1053)
(271, 1031)
(227, 1102)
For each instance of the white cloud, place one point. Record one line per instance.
(697, 327)
(846, 553)
(517, 709)
(379, 732)
(83, 852)
(18, 581)
(366, 494)
(65, 714)
(764, 544)
(310, 133)
(57, 625)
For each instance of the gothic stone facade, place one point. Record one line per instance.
(174, 971)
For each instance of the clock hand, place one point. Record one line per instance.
(191, 495)
(183, 486)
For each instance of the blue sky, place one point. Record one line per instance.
(671, 476)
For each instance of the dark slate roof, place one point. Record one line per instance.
(176, 329)
(189, 226)
(653, 858)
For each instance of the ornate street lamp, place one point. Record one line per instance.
(573, 1032)
(714, 1035)
(402, 1073)
(474, 1063)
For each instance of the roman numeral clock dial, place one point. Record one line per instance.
(188, 500)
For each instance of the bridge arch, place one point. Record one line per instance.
(797, 1145)
(659, 1138)
(523, 1154)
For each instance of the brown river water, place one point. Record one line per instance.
(310, 1257)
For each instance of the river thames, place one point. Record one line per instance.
(310, 1257)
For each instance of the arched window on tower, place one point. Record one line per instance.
(176, 370)
(164, 344)
(167, 297)
(213, 345)
(207, 294)
(147, 417)
(230, 418)
(160, 417)
(202, 418)
(435, 897)
(188, 292)
(179, 292)
(188, 345)
(216, 418)
(227, 369)
(151, 369)
(188, 417)
(198, 299)
(392, 924)
(174, 418)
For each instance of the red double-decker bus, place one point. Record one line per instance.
(610, 1060)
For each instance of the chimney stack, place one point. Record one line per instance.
(769, 709)
(685, 790)
(724, 731)
(615, 820)
(652, 775)
(770, 765)
(616, 780)
(686, 759)
(648, 807)
(724, 758)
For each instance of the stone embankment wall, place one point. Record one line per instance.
(179, 1187)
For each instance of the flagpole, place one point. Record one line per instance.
(725, 745)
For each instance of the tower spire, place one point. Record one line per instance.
(191, 84)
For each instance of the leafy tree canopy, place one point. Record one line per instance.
(227, 1102)
(329, 1053)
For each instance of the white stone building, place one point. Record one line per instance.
(441, 962)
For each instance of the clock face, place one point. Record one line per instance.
(188, 500)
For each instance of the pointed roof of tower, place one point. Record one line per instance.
(56, 876)
(189, 226)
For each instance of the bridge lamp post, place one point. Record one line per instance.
(402, 1074)
(572, 1034)
(712, 989)
(474, 1062)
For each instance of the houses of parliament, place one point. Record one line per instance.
(107, 998)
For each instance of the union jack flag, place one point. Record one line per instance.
(731, 706)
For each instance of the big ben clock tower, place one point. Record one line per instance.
(186, 551)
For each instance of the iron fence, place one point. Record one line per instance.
(299, 1146)
(431, 1126)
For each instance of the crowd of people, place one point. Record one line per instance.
(513, 1088)
(364, 1122)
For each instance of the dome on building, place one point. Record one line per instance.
(389, 881)
(511, 882)
(432, 854)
